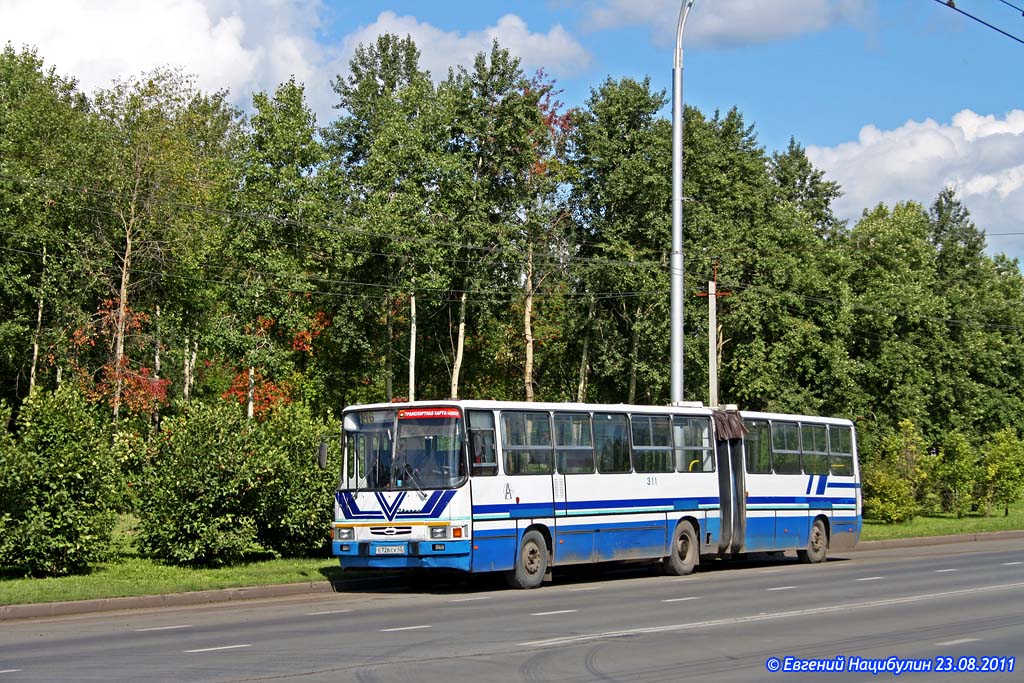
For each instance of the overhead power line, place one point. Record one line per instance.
(952, 5)
(329, 227)
(1010, 4)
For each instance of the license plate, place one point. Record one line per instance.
(390, 550)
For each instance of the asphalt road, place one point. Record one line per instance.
(941, 604)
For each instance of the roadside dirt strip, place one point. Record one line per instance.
(56, 609)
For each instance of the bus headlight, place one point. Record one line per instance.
(344, 533)
(437, 532)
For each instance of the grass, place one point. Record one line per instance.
(941, 525)
(128, 574)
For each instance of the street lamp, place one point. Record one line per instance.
(676, 264)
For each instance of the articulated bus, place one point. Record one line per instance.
(519, 488)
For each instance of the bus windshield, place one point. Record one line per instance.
(416, 448)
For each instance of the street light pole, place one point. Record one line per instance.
(677, 209)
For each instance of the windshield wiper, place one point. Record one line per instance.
(414, 478)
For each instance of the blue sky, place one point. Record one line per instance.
(892, 98)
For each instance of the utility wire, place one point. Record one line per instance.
(951, 5)
(1010, 4)
(337, 229)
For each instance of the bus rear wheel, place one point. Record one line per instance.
(684, 551)
(532, 562)
(817, 545)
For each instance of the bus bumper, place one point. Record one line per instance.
(447, 554)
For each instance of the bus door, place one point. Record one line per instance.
(574, 459)
(732, 488)
(494, 538)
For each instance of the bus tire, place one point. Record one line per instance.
(817, 544)
(531, 563)
(685, 551)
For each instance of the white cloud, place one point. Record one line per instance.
(249, 45)
(982, 157)
(557, 51)
(235, 44)
(725, 23)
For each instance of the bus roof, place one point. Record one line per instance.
(688, 407)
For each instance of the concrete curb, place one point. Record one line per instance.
(938, 540)
(60, 609)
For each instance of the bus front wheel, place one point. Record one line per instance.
(532, 562)
(685, 551)
(817, 544)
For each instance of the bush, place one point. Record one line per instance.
(891, 476)
(296, 506)
(58, 486)
(888, 496)
(1001, 477)
(219, 487)
(957, 474)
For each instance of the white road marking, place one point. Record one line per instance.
(404, 628)
(958, 642)
(547, 614)
(694, 597)
(588, 588)
(470, 599)
(568, 640)
(10, 671)
(1011, 564)
(943, 571)
(781, 588)
(333, 611)
(871, 578)
(214, 649)
(163, 628)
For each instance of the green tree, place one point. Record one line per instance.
(897, 330)
(276, 243)
(805, 187)
(388, 151)
(1001, 475)
(46, 158)
(620, 147)
(495, 128)
(158, 176)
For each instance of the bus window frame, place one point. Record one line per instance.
(507, 449)
(819, 456)
(786, 451)
(680, 453)
(564, 450)
(626, 444)
(848, 456)
(664, 453)
(483, 468)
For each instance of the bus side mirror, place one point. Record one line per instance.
(321, 455)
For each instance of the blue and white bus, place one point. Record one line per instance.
(497, 486)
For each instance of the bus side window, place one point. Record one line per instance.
(786, 448)
(840, 444)
(814, 449)
(757, 446)
(611, 442)
(652, 443)
(691, 437)
(574, 447)
(483, 457)
(526, 442)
